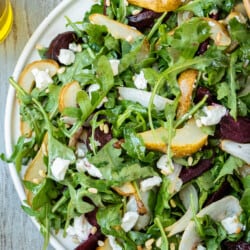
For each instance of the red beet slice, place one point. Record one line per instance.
(61, 41)
(240, 245)
(92, 242)
(187, 174)
(235, 130)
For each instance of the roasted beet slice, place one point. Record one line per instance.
(143, 20)
(223, 190)
(201, 92)
(203, 47)
(187, 174)
(91, 217)
(61, 41)
(92, 242)
(101, 136)
(239, 245)
(235, 130)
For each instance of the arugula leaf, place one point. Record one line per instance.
(107, 159)
(245, 201)
(231, 164)
(109, 219)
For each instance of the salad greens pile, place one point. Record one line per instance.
(95, 163)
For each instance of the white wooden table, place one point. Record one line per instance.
(16, 229)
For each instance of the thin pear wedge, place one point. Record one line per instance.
(27, 79)
(186, 82)
(219, 32)
(187, 140)
(157, 5)
(36, 169)
(68, 95)
(247, 7)
(27, 82)
(116, 29)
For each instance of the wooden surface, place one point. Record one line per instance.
(16, 229)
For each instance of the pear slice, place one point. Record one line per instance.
(157, 5)
(68, 95)
(36, 169)
(187, 140)
(106, 245)
(27, 80)
(126, 189)
(247, 7)
(116, 29)
(186, 82)
(219, 210)
(218, 32)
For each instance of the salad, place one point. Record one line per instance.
(135, 127)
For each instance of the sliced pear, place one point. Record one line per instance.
(157, 5)
(247, 7)
(186, 83)
(27, 80)
(187, 140)
(218, 211)
(36, 169)
(126, 189)
(218, 32)
(106, 245)
(116, 29)
(68, 95)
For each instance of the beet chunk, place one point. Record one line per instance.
(100, 136)
(239, 245)
(201, 92)
(92, 242)
(223, 190)
(61, 41)
(203, 47)
(235, 130)
(91, 217)
(143, 20)
(187, 174)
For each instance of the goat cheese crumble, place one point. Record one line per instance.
(66, 56)
(81, 229)
(59, 168)
(83, 165)
(232, 225)
(140, 81)
(42, 78)
(213, 115)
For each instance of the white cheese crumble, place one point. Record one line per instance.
(163, 165)
(59, 168)
(200, 247)
(93, 88)
(213, 115)
(114, 245)
(149, 183)
(81, 150)
(140, 81)
(232, 225)
(81, 229)
(129, 220)
(75, 47)
(42, 78)
(114, 63)
(83, 165)
(66, 56)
